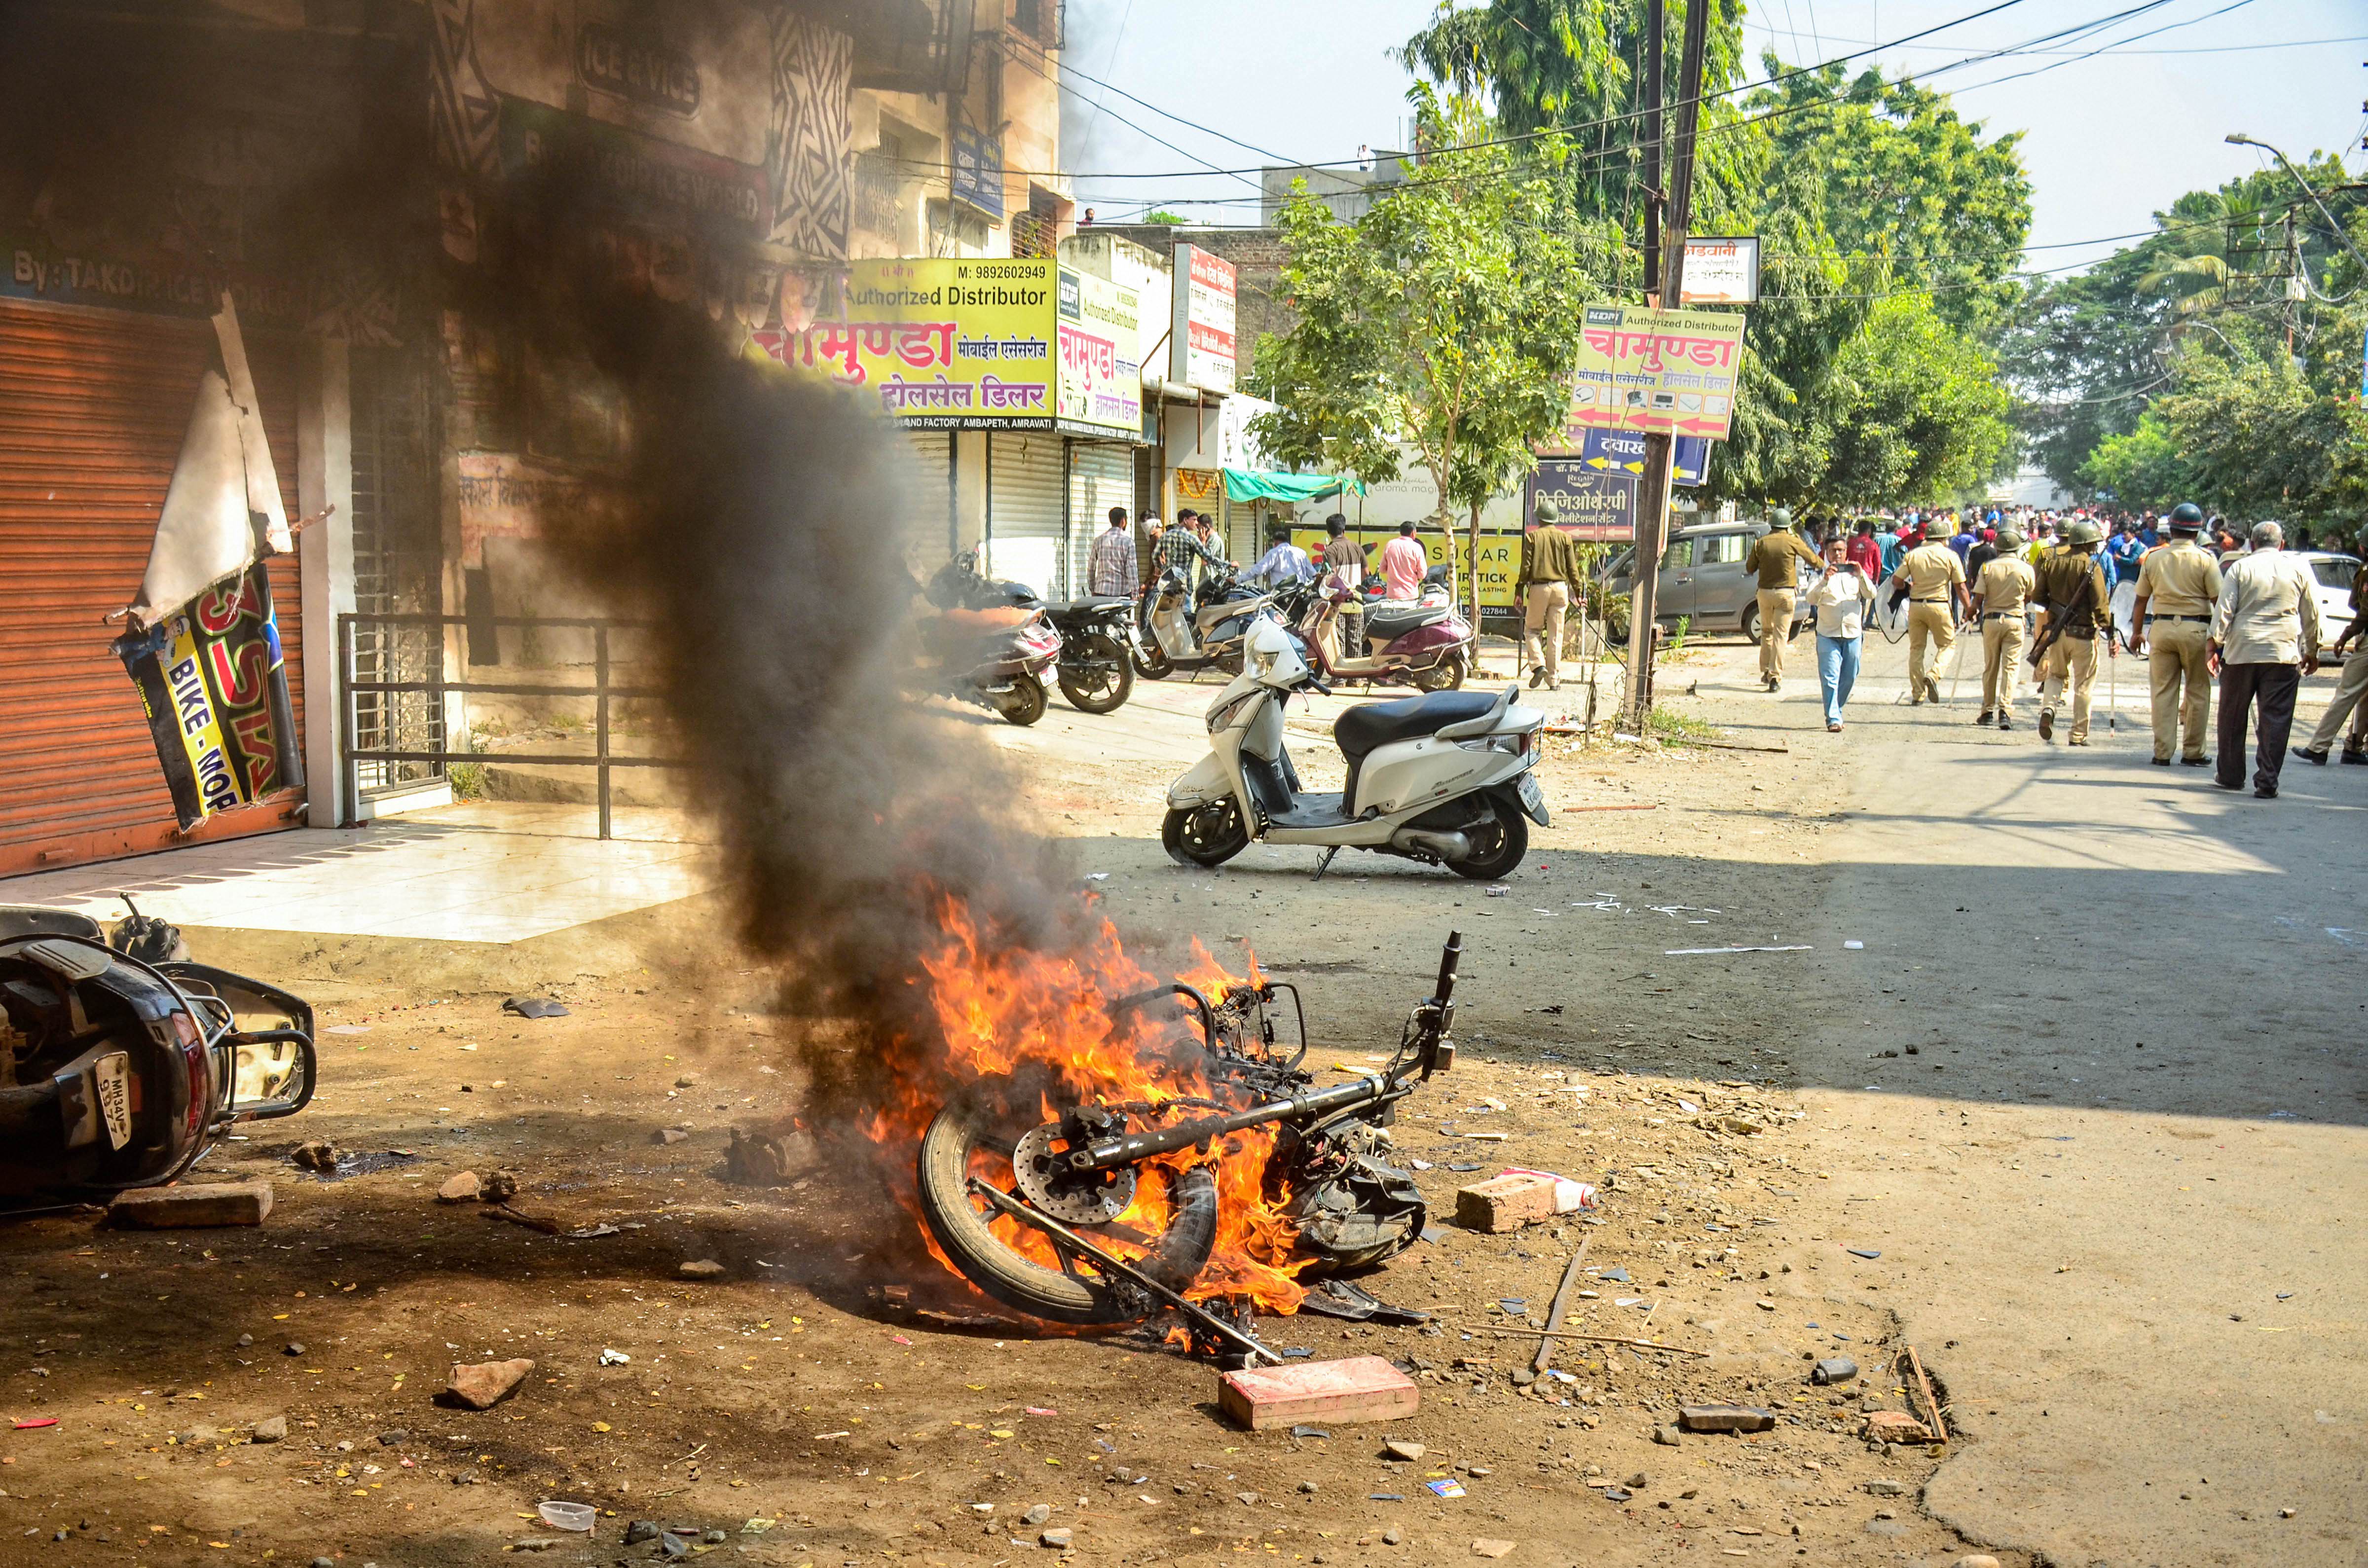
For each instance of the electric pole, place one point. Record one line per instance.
(1665, 241)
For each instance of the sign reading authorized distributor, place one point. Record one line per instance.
(1674, 372)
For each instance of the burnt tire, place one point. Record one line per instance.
(1497, 845)
(1108, 684)
(961, 1228)
(1026, 704)
(1204, 835)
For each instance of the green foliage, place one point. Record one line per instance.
(1914, 411)
(1448, 316)
(2142, 466)
(1162, 215)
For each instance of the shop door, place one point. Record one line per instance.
(93, 408)
(1024, 510)
(1101, 475)
(929, 529)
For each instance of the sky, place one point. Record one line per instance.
(2107, 140)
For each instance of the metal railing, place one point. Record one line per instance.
(600, 692)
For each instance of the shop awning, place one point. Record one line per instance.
(1252, 484)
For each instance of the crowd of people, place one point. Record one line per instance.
(2202, 607)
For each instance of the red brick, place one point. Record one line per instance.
(180, 1208)
(1505, 1203)
(1362, 1388)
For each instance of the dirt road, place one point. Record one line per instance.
(803, 1405)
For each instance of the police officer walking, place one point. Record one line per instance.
(1777, 559)
(1551, 573)
(1936, 602)
(2171, 621)
(2001, 594)
(2075, 609)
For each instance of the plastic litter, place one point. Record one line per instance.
(1450, 1487)
(614, 1358)
(567, 1515)
(533, 1008)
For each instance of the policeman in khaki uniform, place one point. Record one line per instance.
(1936, 602)
(2072, 591)
(1778, 559)
(2178, 584)
(2000, 596)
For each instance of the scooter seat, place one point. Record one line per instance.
(1074, 605)
(981, 622)
(1386, 622)
(1368, 725)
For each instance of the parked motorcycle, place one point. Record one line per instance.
(1211, 637)
(989, 1173)
(1423, 645)
(118, 1073)
(1443, 777)
(985, 644)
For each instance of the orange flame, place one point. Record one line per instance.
(1037, 1030)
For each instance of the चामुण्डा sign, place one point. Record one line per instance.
(1647, 369)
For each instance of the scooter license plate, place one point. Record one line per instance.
(1533, 800)
(111, 1074)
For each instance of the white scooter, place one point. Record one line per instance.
(1443, 777)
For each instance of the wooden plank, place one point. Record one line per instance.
(1561, 1302)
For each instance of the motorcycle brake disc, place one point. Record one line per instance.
(1094, 1197)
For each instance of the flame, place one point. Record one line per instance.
(1036, 1032)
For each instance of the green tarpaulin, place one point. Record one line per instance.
(1249, 484)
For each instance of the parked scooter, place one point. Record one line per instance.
(1443, 778)
(1211, 637)
(980, 650)
(1425, 646)
(117, 1071)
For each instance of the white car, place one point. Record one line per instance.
(2332, 572)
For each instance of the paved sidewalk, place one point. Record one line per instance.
(475, 871)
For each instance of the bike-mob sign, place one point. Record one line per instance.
(977, 345)
(1665, 370)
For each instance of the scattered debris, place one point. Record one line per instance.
(483, 1385)
(1361, 1388)
(701, 1268)
(498, 1187)
(1834, 1369)
(270, 1429)
(1665, 1436)
(316, 1154)
(1711, 952)
(533, 1008)
(1505, 1203)
(1450, 1487)
(668, 1135)
(1725, 1418)
(567, 1515)
(1489, 1547)
(462, 1189)
(759, 1159)
(1895, 1427)
(1934, 1418)
(1336, 1298)
(1863, 1252)
(1562, 1299)
(1403, 1449)
(615, 1359)
(192, 1207)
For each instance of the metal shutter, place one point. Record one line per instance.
(92, 406)
(1024, 510)
(1101, 475)
(931, 533)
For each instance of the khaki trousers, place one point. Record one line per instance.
(1775, 631)
(2175, 659)
(1548, 604)
(2072, 660)
(2346, 702)
(2001, 662)
(1931, 628)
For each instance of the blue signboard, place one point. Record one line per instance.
(978, 171)
(1595, 502)
(1623, 451)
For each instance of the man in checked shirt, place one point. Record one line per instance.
(1110, 570)
(1180, 547)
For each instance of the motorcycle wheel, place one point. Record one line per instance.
(979, 1242)
(1447, 675)
(1497, 845)
(1151, 661)
(1026, 704)
(1204, 835)
(1108, 685)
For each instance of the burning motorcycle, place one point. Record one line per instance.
(985, 646)
(117, 1071)
(1108, 1211)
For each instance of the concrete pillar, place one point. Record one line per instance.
(324, 476)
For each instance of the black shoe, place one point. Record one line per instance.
(1537, 676)
(2046, 725)
(2315, 759)
(2357, 758)
(2160, 761)
(2005, 722)
(1984, 717)
(2194, 761)
(2228, 783)
(2266, 792)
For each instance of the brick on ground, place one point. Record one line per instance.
(1361, 1388)
(184, 1207)
(1505, 1203)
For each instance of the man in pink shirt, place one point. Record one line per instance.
(1403, 563)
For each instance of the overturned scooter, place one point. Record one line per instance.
(1443, 777)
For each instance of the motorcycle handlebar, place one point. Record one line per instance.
(1450, 958)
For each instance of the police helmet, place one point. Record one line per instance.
(2010, 538)
(2083, 530)
(2187, 517)
(1547, 512)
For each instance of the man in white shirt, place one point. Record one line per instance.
(1283, 560)
(2265, 640)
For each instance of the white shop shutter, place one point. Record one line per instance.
(1101, 475)
(1025, 510)
(929, 495)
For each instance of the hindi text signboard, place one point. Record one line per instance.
(1673, 371)
(1201, 334)
(1100, 379)
(1720, 271)
(1595, 502)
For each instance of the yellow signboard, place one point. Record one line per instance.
(1501, 557)
(1667, 370)
(944, 344)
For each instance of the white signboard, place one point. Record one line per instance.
(1201, 337)
(1721, 272)
(1237, 448)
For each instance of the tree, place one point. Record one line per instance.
(1448, 315)
(2142, 466)
(1916, 414)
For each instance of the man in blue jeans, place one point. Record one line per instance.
(1839, 601)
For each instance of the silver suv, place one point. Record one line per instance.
(1702, 581)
